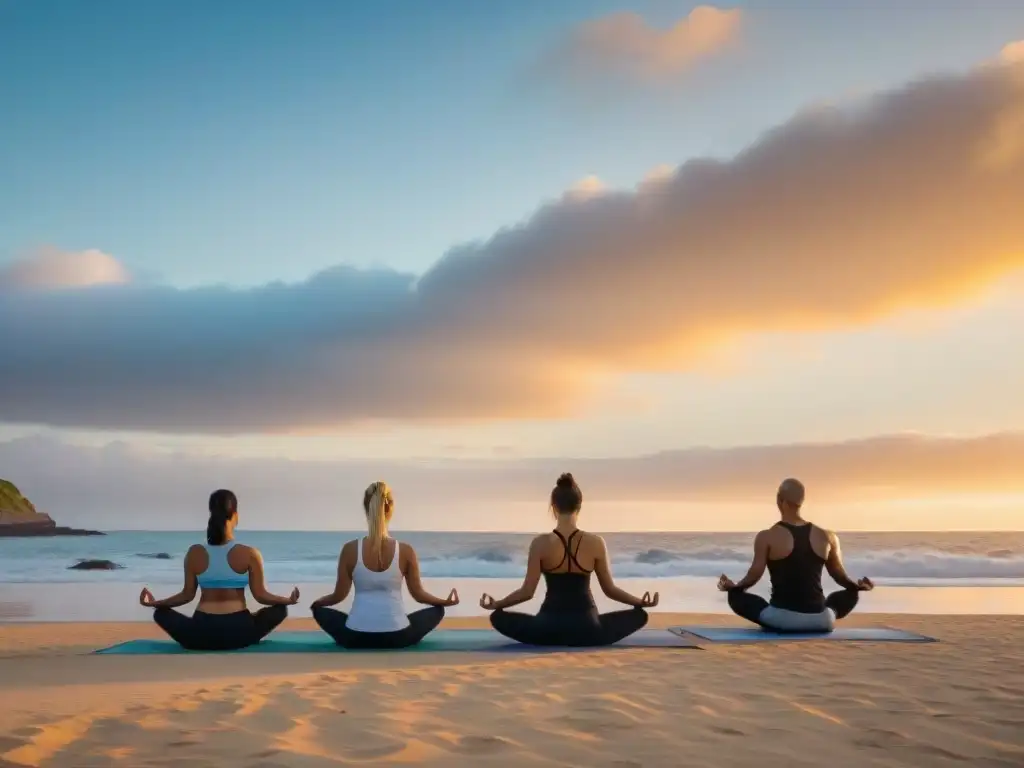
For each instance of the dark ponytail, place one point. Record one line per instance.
(223, 505)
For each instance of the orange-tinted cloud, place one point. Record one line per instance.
(836, 218)
(625, 43)
(140, 487)
(588, 186)
(53, 269)
(1013, 52)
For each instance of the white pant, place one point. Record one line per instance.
(791, 621)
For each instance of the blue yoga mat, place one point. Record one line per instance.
(758, 635)
(439, 640)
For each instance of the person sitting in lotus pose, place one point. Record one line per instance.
(222, 569)
(566, 557)
(376, 565)
(795, 551)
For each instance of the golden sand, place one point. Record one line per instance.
(956, 702)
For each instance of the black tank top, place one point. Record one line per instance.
(568, 591)
(796, 578)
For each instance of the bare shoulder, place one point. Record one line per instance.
(823, 537)
(828, 534)
(242, 557)
(196, 556)
(251, 552)
(406, 550)
(595, 540)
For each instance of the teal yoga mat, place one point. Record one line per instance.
(758, 635)
(439, 640)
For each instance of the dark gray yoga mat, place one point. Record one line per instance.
(758, 635)
(439, 640)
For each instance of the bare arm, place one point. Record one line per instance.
(259, 588)
(603, 569)
(188, 591)
(529, 586)
(834, 564)
(343, 582)
(413, 582)
(758, 564)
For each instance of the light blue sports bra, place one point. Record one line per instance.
(219, 573)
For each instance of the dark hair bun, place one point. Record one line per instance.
(566, 480)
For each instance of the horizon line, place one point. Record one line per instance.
(534, 533)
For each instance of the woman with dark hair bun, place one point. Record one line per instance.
(222, 568)
(566, 557)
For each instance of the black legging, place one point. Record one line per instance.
(421, 623)
(219, 631)
(749, 607)
(579, 630)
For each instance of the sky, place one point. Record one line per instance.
(465, 246)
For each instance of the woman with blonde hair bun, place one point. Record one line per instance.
(376, 566)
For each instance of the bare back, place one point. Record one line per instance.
(218, 600)
(584, 552)
(373, 560)
(780, 542)
(380, 560)
(361, 551)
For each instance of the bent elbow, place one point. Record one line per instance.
(529, 589)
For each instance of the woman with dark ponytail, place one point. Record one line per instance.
(222, 568)
(567, 556)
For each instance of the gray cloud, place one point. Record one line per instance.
(833, 219)
(118, 485)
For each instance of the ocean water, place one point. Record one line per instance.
(915, 572)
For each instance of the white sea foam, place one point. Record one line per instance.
(960, 559)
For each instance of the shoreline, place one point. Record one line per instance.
(953, 702)
(13, 532)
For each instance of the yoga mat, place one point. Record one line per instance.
(758, 635)
(439, 640)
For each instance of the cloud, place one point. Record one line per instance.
(831, 220)
(659, 173)
(51, 269)
(625, 44)
(1013, 52)
(119, 485)
(588, 186)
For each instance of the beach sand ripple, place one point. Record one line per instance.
(958, 702)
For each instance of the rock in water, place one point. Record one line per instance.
(94, 565)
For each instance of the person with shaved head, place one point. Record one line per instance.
(795, 552)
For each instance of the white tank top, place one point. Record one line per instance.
(377, 605)
(219, 574)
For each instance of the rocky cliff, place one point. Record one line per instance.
(19, 517)
(15, 509)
